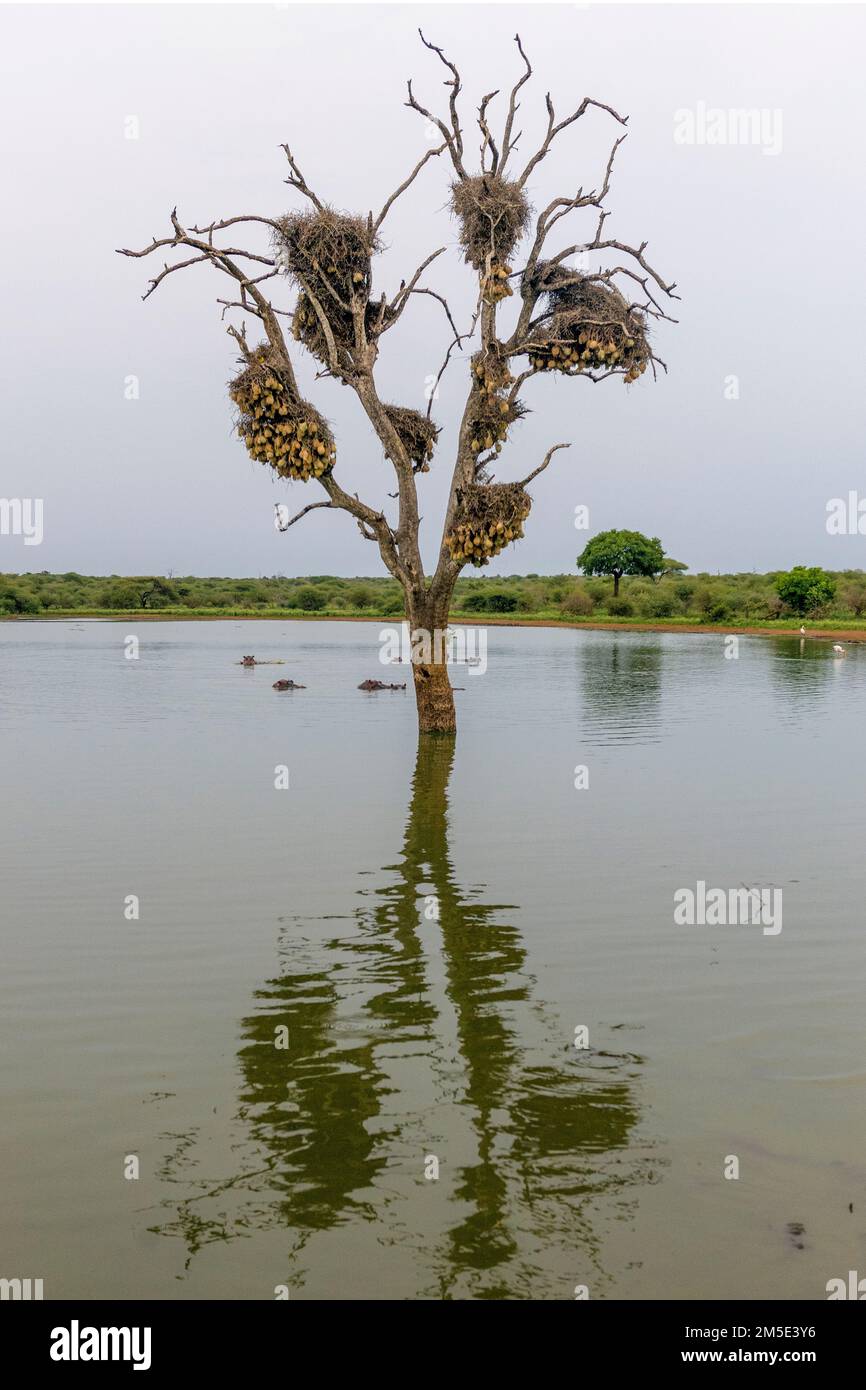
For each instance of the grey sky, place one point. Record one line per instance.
(763, 247)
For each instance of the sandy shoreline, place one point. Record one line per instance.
(482, 620)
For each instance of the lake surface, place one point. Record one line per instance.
(431, 929)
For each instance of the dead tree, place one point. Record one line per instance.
(573, 317)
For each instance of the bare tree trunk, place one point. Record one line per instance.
(616, 579)
(428, 623)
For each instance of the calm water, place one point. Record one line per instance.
(412, 1038)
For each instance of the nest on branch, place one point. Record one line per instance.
(417, 433)
(276, 425)
(493, 214)
(491, 371)
(328, 254)
(489, 416)
(489, 516)
(330, 251)
(588, 326)
(307, 327)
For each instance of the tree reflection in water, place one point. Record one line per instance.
(416, 1036)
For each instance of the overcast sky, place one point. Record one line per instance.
(763, 239)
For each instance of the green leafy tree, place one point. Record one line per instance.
(309, 599)
(805, 589)
(622, 552)
(501, 603)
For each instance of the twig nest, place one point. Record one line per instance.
(330, 251)
(589, 326)
(493, 214)
(307, 327)
(328, 255)
(489, 517)
(488, 418)
(417, 433)
(276, 426)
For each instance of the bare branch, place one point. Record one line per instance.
(454, 84)
(639, 257)
(312, 506)
(487, 141)
(457, 341)
(239, 335)
(297, 180)
(553, 129)
(230, 222)
(541, 467)
(513, 106)
(398, 303)
(444, 302)
(431, 154)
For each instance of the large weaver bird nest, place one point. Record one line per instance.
(489, 516)
(493, 214)
(488, 419)
(417, 433)
(277, 426)
(328, 255)
(589, 326)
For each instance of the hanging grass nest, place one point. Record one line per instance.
(493, 214)
(494, 285)
(418, 435)
(489, 517)
(277, 427)
(491, 371)
(488, 421)
(589, 327)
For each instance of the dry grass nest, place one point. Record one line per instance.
(489, 516)
(589, 327)
(328, 254)
(493, 214)
(417, 433)
(277, 427)
(330, 251)
(488, 421)
(307, 327)
(491, 370)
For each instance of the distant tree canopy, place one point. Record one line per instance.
(623, 552)
(805, 589)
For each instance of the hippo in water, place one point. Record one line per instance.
(288, 685)
(380, 685)
(248, 661)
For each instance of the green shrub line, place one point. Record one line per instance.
(774, 600)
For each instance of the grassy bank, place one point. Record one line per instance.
(676, 602)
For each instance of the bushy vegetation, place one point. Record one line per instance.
(729, 599)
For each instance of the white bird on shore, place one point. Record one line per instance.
(803, 630)
(839, 650)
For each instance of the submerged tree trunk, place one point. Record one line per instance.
(428, 624)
